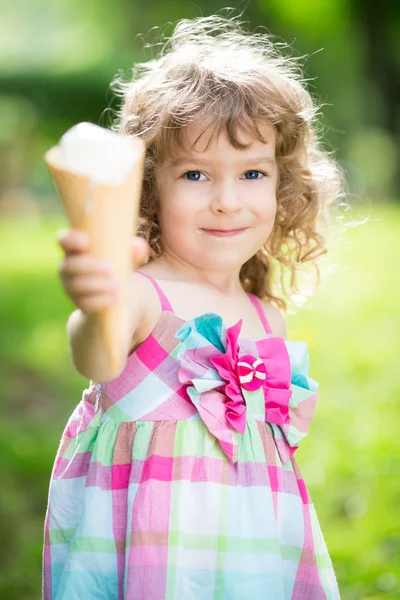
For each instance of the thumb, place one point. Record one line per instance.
(140, 252)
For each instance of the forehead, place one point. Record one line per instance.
(202, 137)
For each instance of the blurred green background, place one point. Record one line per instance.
(58, 61)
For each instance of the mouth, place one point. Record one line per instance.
(223, 232)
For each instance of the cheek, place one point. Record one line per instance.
(177, 219)
(271, 211)
(181, 206)
(265, 206)
(172, 203)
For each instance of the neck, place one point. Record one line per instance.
(226, 282)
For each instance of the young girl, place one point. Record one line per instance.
(178, 479)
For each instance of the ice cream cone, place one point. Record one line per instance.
(109, 215)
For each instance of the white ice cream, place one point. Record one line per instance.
(100, 154)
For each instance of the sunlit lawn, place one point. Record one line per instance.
(350, 460)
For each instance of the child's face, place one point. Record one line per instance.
(217, 205)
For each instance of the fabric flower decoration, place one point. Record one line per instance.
(221, 381)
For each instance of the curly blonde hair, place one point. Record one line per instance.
(212, 66)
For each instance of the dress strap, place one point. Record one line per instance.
(165, 305)
(260, 311)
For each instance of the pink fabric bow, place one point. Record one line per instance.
(217, 393)
(276, 383)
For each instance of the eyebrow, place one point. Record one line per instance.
(256, 160)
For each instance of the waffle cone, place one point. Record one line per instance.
(109, 215)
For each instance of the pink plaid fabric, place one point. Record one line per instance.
(176, 481)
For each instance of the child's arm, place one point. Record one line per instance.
(89, 284)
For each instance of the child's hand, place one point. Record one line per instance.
(88, 281)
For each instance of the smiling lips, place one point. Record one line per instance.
(223, 232)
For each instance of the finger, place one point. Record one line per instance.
(73, 241)
(84, 286)
(92, 304)
(84, 265)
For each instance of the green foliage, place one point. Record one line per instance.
(350, 460)
(76, 49)
(39, 389)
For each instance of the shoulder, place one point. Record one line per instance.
(276, 319)
(144, 307)
(141, 289)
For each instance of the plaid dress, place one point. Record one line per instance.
(177, 479)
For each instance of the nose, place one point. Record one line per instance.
(226, 198)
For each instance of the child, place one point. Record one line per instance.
(178, 478)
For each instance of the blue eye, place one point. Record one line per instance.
(193, 175)
(253, 174)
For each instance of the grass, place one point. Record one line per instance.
(350, 460)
